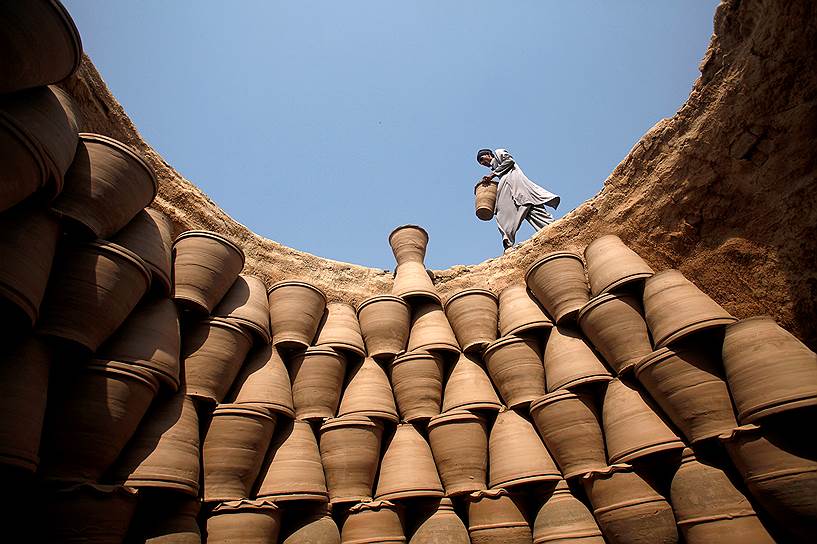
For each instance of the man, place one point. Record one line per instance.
(517, 197)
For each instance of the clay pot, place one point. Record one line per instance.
(214, 350)
(520, 312)
(88, 425)
(263, 380)
(628, 509)
(494, 516)
(473, 314)
(166, 519)
(106, 186)
(164, 452)
(485, 199)
(86, 513)
(769, 370)
(431, 331)
(557, 281)
(611, 264)
(674, 308)
(408, 243)
(350, 453)
(417, 382)
(684, 381)
(515, 366)
(632, 429)
(384, 323)
(150, 339)
(370, 522)
(407, 468)
(708, 508)
(150, 235)
(293, 469)
(459, 443)
(412, 282)
(570, 429)
(517, 454)
(368, 393)
(565, 519)
(569, 361)
(440, 525)
(468, 387)
(339, 329)
(92, 290)
(309, 527)
(317, 380)
(24, 372)
(205, 266)
(616, 327)
(296, 309)
(245, 521)
(41, 45)
(246, 304)
(233, 450)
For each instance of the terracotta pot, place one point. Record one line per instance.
(213, 351)
(293, 469)
(417, 382)
(615, 325)
(370, 522)
(317, 380)
(245, 521)
(441, 525)
(350, 453)
(164, 452)
(515, 366)
(569, 361)
(685, 383)
(412, 282)
(41, 44)
(708, 507)
(557, 281)
(246, 304)
(431, 331)
(407, 468)
(368, 393)
(674, 308)
(106, 186)
(150, 339)
(611, 264)
(517, 454)
(233, 450)
(24, 372)
(86, 513)
(91, 292)
(768, 369)
(339, 329)
(468, 387)
(205, 266)
(150, 235)
(459, 443)
(296, 309)
(473, 314)
(565, 519)
(408, 243)
(263, 380)
(314, 525)
(166, 519)
(632, 429)
(520, 312)
(494, 516)
(628, 509)
(88, 425)
(485, 199)
(570, 428)
(384, 323)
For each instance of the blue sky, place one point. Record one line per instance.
(323, 125)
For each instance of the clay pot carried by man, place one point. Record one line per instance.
(417, 382)
(340, 330)
(612, 265)
(150, 235)
(373, 521)
(296, 309)
(615, 325)
(485, 199)
(407, 469)
(293, 470)
(384, 323)
(517, 455)
(473, 315)
(439, 522)
(520, 312)
(350, 453)
(564, 518)
(468, 387)
(246, 521)
(495, 516)
(571, 362)
(246, 305)
(557, 281)
(515, 366)
(459, 444)
(317, 380)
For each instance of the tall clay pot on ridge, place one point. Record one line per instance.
(263, 380)
(495, 516)
(350, 453)
(317, 380)
(440, 523)
(570, 361)
(368, 393)
(616, 327)
(459, 444)
(150, 235)
(384, 322)
(293, 469)
(245, 521)
(408, 243)
(515, 366)
(611, 264)
(520, 312)
(296, 309)
(517, 455)
(205, 265)
(557, 281)
(564, 518)
(407, 469)
(473, 315)
(340, 329)
(468, 387)
(246, 304)
(417, 382)
(374, 521)
(431, 331)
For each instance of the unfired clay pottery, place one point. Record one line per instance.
(368, 393)
(516, 453)
(515, 366)
(570, 361)
(293, 469)
(519, 311)
(565, 519)
(339, 329)
(296, 309)
(246, 304)
(263, 380)
(557, 281)
(310, 526)
(370, 522)
(407, 468)
(350, 453)
(166, 519)
(459, 443)
(430, 330)
(611, 264)
(384, 323)
(468, 387)
(473, 315)
(317, 379)
(440, 525)
(408, 243)
(417, 382)
(485, 199)
(150, 235)
(616, 327)
(244, 521)
(86, 513)
(494, 516)
(412, 282)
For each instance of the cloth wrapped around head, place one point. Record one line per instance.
(482, 152)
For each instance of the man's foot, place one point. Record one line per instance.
(509, 249)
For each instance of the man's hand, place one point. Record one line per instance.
(487, 178)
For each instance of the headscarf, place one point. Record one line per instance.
(482, 152)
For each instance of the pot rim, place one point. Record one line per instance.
(598, 300)
(484, 183)
(100, 246)
(380, 298)
(244, 409)
(76, 40)
(213, 236)
(296, 283)
(700, 325)
(124, 148)
(260, 503)
(660, 355)
(729, 436)
(471, 291)
(422, 293)
(412, 355)
(455, 415)
(321, 349)
(606, 472)
(224, 323)
(133, 372)
(411, 493)
(349, 420)
(374, 504)
(503, 341)
(391, 417)
(549, 398)
(550, 257)
(408, 226)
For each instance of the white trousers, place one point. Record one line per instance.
(537, 216)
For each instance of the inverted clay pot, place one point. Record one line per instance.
(417, 382)
(570, 361)
(244, 521)
(310, 526)
(569, 427)
(233, 450)
(440, 524)
(565, 519)
(246, 304)
(370, 522)
(515, 366)
(431, 331)
(459, 444)
(495, 516)
(615, 325)
(674, 308)
(293, 469)
(412, 282)
(350, 453)
(263, 380)
(468, 387)
(520, 312)
(768, 369)
(339, 329)
(368, 393)
(517, 454)
(317, 380)
(86, 513)
(473, 315)
(91, 291)
(150, 235)
(407, 469)
(296, 309)
(557, 281)
(205, 266)
(485, 199)
(384, 323)
(611, 264)
(408, 243)
(166, 519)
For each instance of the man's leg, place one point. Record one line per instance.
(539, 217)
(508, 222)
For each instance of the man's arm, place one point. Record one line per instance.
(506, 163)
